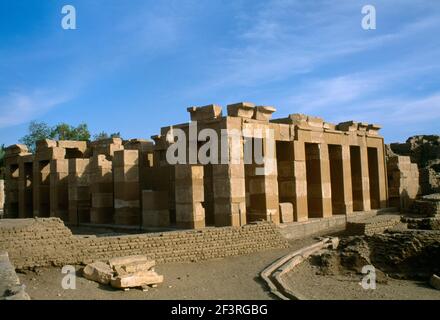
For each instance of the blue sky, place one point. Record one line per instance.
(135, 66)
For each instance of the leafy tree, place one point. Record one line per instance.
(2, 159)
(2, 155)
(37, 131)
(104, 135)
(62, 131)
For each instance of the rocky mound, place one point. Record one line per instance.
(412, 254)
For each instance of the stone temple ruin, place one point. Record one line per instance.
(322, 170)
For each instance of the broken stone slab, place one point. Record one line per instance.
(124, 261)
(241, 109)
(98, 271)
(137, 279)
(435, 281)
(263, 113)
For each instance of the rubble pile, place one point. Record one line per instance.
(428, 206)
(411, 254)
(124, 272)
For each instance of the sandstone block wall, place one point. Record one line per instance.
(46, 241)
(403, 181)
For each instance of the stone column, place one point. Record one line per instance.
(383, 194)
(47, 150)
(79, 191)
(126, 188)
(102, 190)
(263, 187)
(325, 181)
(25, 187)
(59, 200)
(229, 176)
(190, 213)
(300, 206)
(229, 195)
(348, 190)
(11, 163)
(365, 178)
(41, 188)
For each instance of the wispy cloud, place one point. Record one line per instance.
(18, 107)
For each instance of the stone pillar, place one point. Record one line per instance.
(41, 187)
(47, 150)
(102, 190)
(190, 213)
(59, 199)
(229, 195)
(25, 187)
(365, 178)
(12, 155)
(229, 176)
(383, 194)
(126, 187)
(300, 206)
(263, 187)
(348, 191)
(79, 191)
(325, 181)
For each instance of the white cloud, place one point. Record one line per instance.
(18, 107)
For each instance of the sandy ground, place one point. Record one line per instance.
(233, 278)
(304, 280)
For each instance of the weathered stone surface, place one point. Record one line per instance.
(241, 109)
(137, 279)
(98, 271)
(286, 212)
(122, 261)
(208, 112)
(138, 266)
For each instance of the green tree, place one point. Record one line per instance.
(37, 131)
(2, 159)
(104, 135)
(62, 131)
(2, 155)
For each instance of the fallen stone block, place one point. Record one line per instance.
(98, 271)
(137, 279)
(435, 281)
(138, 266)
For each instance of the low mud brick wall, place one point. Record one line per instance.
(47, 241)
